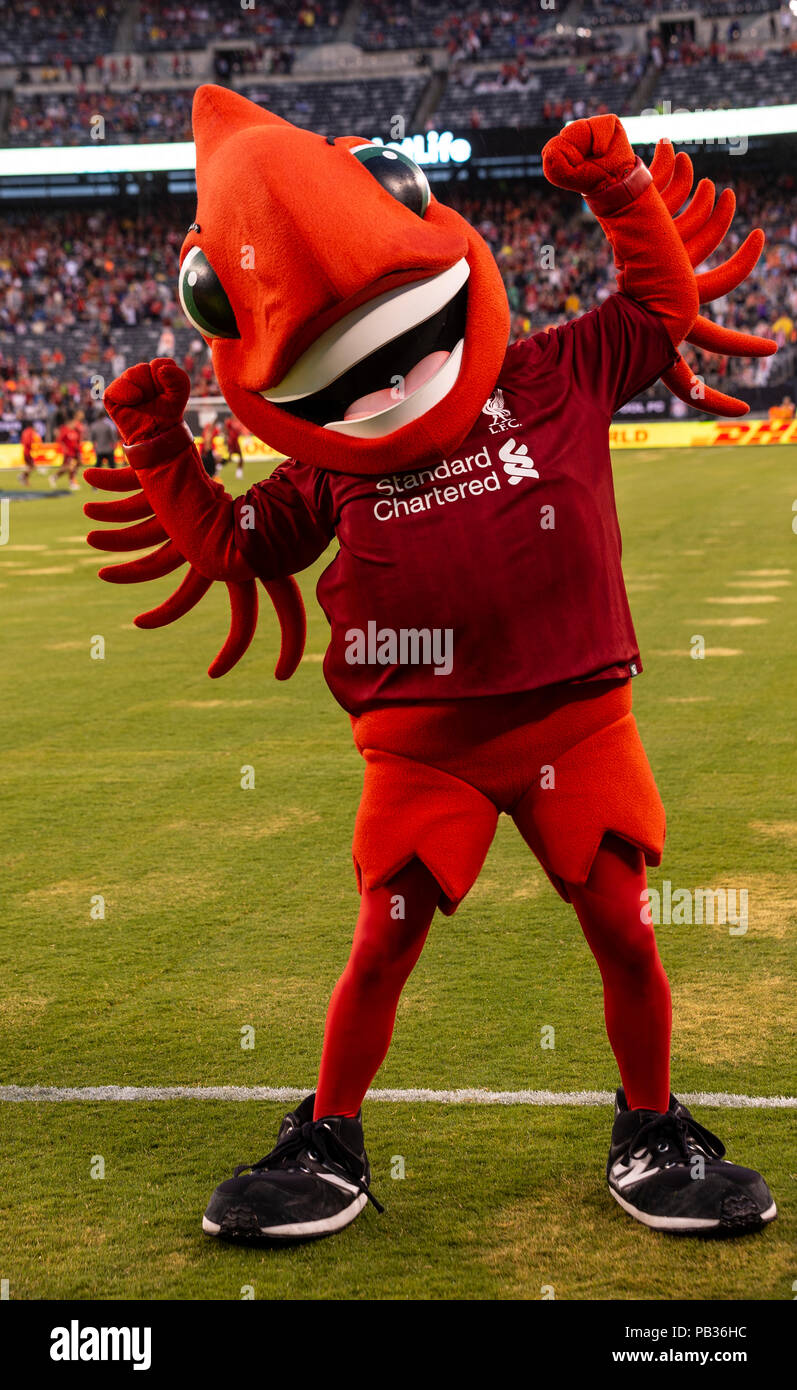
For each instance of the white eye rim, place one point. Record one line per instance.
(207, 331)
(182, 277)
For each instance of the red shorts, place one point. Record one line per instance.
(566, 763)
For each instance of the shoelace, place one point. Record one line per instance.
(684, 1132)
(325, 1144)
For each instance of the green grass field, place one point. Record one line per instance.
(227, 908)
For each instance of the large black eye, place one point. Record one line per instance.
(398, 174)
(203, 299)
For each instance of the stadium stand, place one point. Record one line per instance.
(618, 12)
(132, 117)
(195, 25)
(512, 94)
(486, 31)
(469, 94)
(518, 94)
(61, 35)
(332, 107)
(144, 115)
(88, 292)
(756, 78)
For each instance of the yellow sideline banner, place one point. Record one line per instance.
(652, 434)
(688, 434)
(49, 455)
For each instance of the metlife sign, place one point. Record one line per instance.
(434, 147)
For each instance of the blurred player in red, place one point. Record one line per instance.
(70, 442)
(30, 441)
(208, 454)
(234, 430)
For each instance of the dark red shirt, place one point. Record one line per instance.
(509, 550)
(69, 439)
(29, 439)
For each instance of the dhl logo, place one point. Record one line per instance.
(663, 434)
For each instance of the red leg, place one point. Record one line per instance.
(635, 989)
(392, 927)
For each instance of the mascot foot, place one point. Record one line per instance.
(669, 1172)
(314, 1182)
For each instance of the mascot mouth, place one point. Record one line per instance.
(386, 363)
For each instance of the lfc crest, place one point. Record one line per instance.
(502, 419)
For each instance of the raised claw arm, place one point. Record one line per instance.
(659, 239)
(152, 396)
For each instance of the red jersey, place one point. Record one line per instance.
(29, 439)
(69, 440)
(504, 560)
(234, 431)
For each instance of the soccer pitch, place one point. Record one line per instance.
(228, 915)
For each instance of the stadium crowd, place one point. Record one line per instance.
(518, 94)
(85, 293)
(556, 265)
(163, 24)
(514, 91)
(470, 32)
(73, 31)
(132, 117)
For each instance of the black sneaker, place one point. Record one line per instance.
(314, 1182)
(670, 1173)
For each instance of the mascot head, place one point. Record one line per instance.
(355, 323)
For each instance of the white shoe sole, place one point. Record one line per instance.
(302, 1229)
(684, 1223)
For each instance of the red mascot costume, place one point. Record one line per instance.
(480, 630)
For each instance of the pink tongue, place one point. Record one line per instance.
(382, 400)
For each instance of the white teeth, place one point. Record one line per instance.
(386, 421)
(364, 331)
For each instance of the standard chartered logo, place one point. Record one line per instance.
(517, 463)
(452, 480)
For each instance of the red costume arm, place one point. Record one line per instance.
(180, 505)
(655, 252)
(193, 508)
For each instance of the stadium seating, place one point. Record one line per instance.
(56, 118)
(509, 94)
(332, 108)
(740, 79)
(133, 117)
(528, 96)
(486, 31)
(189, 25)
(97, 289)
(75, 31)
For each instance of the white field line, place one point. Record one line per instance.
(723, 1099)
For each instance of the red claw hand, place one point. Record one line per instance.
(659, 239)
(144, 403)
(147, 399)
(588, 155)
